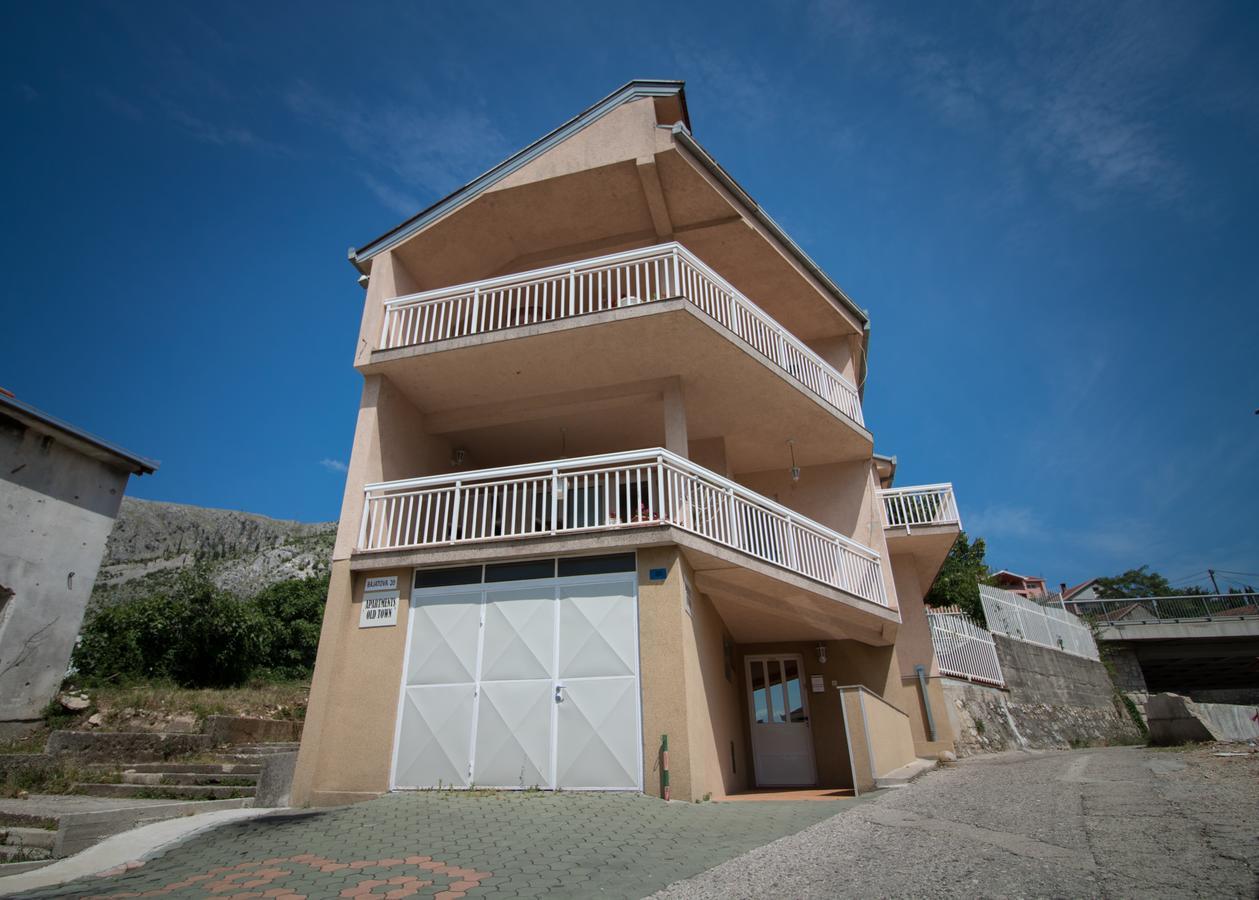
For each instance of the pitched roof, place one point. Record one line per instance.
(633, 90)
(84, 441)
(1072, 591)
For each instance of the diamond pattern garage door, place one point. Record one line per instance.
(523, 685)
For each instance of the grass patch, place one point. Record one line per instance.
(21, 820)
(267, 699)
(54, 778)
(31, 742)
(158, 793)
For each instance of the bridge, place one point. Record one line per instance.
(1205, 645)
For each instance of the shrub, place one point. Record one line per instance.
(293, 613)
(194, 634)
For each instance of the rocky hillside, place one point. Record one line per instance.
(151, 542)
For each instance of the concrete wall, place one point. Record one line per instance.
(1174, 719)
(1052, 700)
(57, 507)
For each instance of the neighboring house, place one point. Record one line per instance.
(60, 489)
(611, 482)
(1085, 590)
(1028, 586)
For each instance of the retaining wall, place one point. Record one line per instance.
(1051, 700)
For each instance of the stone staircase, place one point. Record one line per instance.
(230, 773)
(25, 844)
(169, 775)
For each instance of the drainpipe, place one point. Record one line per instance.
(921, 672)
(664, 765)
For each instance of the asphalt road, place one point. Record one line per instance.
(1119, 822)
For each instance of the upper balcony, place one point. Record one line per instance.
(921, 521)
(759, 558)
(648, 287)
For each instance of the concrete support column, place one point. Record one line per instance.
(675, 438)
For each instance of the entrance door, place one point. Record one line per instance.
(782, 739)
(522, 684)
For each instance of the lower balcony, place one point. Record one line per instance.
(765, 559)
(923, 522)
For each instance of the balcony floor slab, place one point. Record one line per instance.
(758, 600)
(731, 390)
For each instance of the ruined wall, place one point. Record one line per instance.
(1051, 700)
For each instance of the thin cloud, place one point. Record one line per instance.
(397, 200)
(219, 135)
(25, 92)
(1003, 521)
(419, 144)
(1072, 92)
(119, 105)
(334, 465)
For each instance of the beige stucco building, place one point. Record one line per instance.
(611, 482)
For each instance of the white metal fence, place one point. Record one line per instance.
(964, 649)
(1156, 609)
(1025, 620)
(613, 491)
(926, 504)
(610, 282)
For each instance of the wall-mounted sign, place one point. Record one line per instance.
(819, 686)
(658, 574)
(380, 602)
(378, 609)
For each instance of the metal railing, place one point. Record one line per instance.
(613, 492)
(925, 504)
(1158, 609)
(964, 649)
(610, 282)
(1025, 620)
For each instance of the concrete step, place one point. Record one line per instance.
(205, 778)
(899, 778)
(12, 854)
(165, 791)
(230, 768)
(261, 749)
(13, 836)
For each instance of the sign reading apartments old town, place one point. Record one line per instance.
(380, 603)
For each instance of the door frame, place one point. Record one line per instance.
(480, 588)
(804, 702)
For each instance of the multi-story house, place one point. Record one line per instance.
(613, 518)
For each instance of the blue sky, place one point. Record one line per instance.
(1048, 209)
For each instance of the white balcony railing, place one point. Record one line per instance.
(610, 282)
(928, 504)
(613, 492)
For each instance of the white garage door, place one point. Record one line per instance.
(522, 684)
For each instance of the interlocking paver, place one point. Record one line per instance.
(451, 845)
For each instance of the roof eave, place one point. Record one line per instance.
(632, 90)
(137, 465)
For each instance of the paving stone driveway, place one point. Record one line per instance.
(451, 844)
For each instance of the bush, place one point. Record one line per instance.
(199, 636)
(293, 612)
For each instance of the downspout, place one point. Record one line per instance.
(921, 671)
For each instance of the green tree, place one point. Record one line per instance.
(957, 584)
(1141, 583)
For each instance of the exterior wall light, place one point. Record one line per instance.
(821, 653)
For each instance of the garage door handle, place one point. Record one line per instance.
(559, 693)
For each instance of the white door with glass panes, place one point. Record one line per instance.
(522, 684)
(782, 738)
